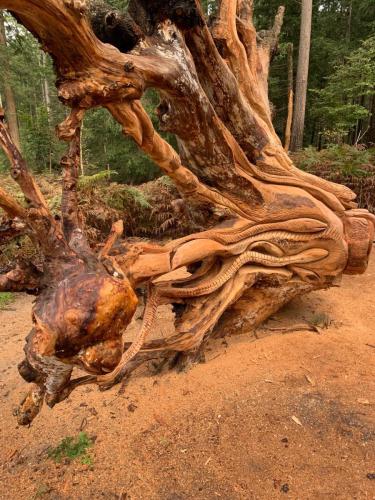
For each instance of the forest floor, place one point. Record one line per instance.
(282, 416)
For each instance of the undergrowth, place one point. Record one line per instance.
(155, 209)
(343, 164)
(344, 160)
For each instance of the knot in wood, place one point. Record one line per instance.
(111, 18)
(78, 6)
(128, 66)
(66, 161)
(15, 173)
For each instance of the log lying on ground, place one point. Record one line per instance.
(287, 232)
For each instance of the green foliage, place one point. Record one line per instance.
(341, 104)
(338, 29)
(138, 197)
(6, 298)
(344, 160)
(73, 448)
(341, 83)
(118, 4)
(104, 145)
(321, 320)
(125, 196)
(210, 6)
(28, 72)
(87, 182)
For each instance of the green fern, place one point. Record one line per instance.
(87, 182)
(138, 197)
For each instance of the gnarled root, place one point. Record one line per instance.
(25, 277)
(31, 404)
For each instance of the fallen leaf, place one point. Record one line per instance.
(363, 401)
(297, 420)
(310, 380)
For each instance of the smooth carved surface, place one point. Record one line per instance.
(285, 232)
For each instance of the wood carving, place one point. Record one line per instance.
(285, 232)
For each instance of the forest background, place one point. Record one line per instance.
(340, 99)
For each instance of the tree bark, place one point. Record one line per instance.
(45, 86)
(10, 103)
(289, 120)
(284, 232)
(302, 76)
(370, 134)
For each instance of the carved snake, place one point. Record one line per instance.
(228, 271)
(230, 235)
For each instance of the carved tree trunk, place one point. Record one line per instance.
(285, 232)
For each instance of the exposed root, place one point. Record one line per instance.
(148, 321)
(31, 405)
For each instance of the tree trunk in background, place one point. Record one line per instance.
(302, 75)
(47, 102)
(45, 86)
(369, 138)
(349, 28)
(10, 104)
(289, 119)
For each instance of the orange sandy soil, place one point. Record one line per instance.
(285, 416)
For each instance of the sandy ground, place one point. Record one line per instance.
(284, 416)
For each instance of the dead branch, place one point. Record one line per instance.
(25, 277)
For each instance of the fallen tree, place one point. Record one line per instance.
(285, 233)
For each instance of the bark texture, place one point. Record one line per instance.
(289, 120)
(302, 75)
(286, 232)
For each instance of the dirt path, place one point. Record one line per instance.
(227, 429)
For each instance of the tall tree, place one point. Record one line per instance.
(289, 120)
(344, 105)
(302, 76)
(10, 103)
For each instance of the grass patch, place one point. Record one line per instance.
(43, 489)
(73, 448)
(321, 320)
(6, 298)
